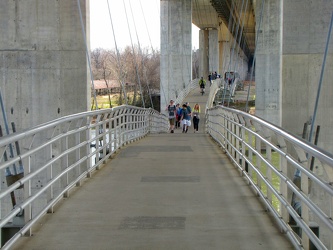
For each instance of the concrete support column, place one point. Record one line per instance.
(43, 65)
(176, 48)
(209, 52)
(269, 62)
(43, 73)
(213, 51)
(305, 31)
(204, 53)
(225, 47)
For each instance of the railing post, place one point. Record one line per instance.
(258, 160)
(238, 144)
(244, 163)
(88, 148)
(268, 149)
(49, 176)
(250, 153)
(104, 141)
(233, 138)
(283, 164)
(27, 193)
(77, 169)
(65, 178)
(305, 208)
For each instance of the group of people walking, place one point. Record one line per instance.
(182, 116)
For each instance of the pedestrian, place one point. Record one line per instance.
(210, 78)
(172, 115)
(188, 107)
(196, 117)
(185, 118)
(178, 115)
(202, 84)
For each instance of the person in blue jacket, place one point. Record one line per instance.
(185, 118)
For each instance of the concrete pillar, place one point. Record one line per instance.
(305, 30)
(43, 66)
(306, 27)
(213, 50)
(204, 53)
(209, 52)
(269, 61)
(176, 48)
(43, 70)
(225, 48)
(290, 51)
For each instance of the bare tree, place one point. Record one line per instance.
(140, 70)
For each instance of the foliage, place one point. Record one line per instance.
(136, 70)
(138, 73)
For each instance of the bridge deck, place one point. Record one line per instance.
(166, 191)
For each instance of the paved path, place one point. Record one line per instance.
(166, 191)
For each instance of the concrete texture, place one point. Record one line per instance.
(43, 66)
(269, 61)
(176, 48)
(289, 61)
(166, 191)
(213, 51)
(203, 52)
(305, 31)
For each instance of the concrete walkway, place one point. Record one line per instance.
(166, 191)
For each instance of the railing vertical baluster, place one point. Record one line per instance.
(238, 143)
(249, 150)
(283, 164)
(88, 147)
(269, 170)
(64, 166)
(49, 175)
(258, 160)
(57, 156)
(27, 193)
(77, 170)
(305, 209)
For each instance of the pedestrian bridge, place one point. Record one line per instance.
(116, 179)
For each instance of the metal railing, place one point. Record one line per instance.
(59, 155)
(183, 92)
(277, 165)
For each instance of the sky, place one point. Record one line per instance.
(145, 31)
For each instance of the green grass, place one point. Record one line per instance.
(275, 179)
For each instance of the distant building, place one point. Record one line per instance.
(111, 87)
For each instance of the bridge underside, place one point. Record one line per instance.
(238, 16)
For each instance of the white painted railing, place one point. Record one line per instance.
(59, 155)
(278, 167)
(183, 92)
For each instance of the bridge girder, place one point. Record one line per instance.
(209, 14)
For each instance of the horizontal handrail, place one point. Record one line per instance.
(182, 93)
(58, 155)
(268, 157)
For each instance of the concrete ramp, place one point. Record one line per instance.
(166, 191)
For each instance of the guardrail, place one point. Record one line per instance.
(182, 93)
(278, 167)
(59, 155)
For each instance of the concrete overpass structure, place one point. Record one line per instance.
(43, 62)
(44, 68)
(291, 38)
